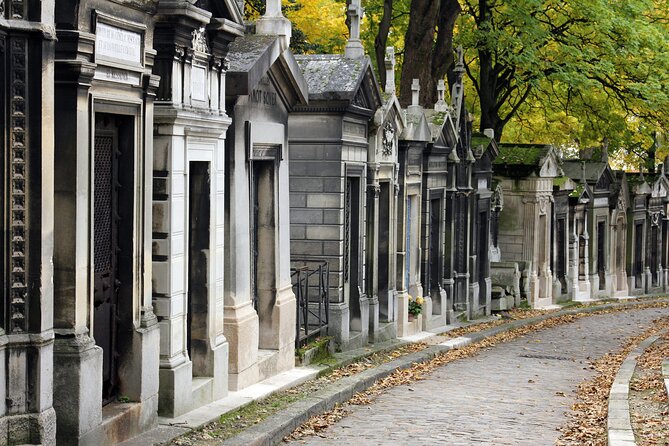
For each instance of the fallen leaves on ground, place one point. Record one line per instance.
(587, 421)
(419, 371)
(649, 405)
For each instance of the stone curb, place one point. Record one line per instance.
(272, 430)
(665, 374)
(619, 422)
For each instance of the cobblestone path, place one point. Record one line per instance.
(510, 394)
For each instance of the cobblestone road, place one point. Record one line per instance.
(507, 395)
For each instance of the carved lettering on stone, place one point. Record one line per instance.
(118, 44)
(268, 98)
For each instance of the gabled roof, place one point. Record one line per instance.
(338, 79)
(252, 57)
(416, 127)
(639, 183)
(519, 160)
(593, 170)
(483, 145)
(660, 187)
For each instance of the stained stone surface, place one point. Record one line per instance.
(510, 394)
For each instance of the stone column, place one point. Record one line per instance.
(26, 335)
(373, 191)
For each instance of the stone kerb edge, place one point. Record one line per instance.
(619, 422)
(275, 428)
(665, 374)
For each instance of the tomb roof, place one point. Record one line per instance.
(253, 56)
(593, 169)
(332, 76)
(521, 154)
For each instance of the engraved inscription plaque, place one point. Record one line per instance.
(118, 45)
(198, 83)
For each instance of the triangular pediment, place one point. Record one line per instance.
(605, 180)
(550, 167)
(660, 188)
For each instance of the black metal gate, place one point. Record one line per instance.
(601, 254)
(560, 236)
(105, 252)
(638, 252)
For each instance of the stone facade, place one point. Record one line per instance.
(526, 174)
(172, 172)
(263, 85)
(190, 125)
(27, 41)
(107, 337)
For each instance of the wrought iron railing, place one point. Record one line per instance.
(311, 284)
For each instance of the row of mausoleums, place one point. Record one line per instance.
(575, 229)
(185, 201)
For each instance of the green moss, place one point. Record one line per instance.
(520, 155)
(479, 140)
(559, 181)
(322, 354)
(578, 191)
(438, 118)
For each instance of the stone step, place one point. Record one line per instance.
(202, 390)
(267, 363)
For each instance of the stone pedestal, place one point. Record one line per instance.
(77, 383)
(242, 332)
(338, 325)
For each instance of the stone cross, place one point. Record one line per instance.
(390, 70)
(354, 48)
(273, 8)
(441, 105)
(459, 69)
(273, 23)
(415, 92)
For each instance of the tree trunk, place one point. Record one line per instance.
(382, 40)
(426, 57)
(418, 43)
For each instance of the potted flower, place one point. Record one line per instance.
(415, 306)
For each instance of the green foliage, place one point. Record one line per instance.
(567, 72)
(571, 72)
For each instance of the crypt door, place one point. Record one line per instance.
(352, 251)
(434, 266)
(105, 251)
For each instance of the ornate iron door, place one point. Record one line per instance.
(638, 251)
(435, 243)
(105, 251)
(601, 254)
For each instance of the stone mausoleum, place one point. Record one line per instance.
(186, 201)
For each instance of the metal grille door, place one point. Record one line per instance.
(105, 250)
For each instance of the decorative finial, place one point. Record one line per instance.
(354, 48)
(273, 23)
(441, 105)
(390, 70)
(459, 69)
(415, 92)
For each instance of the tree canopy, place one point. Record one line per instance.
(574, 73)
